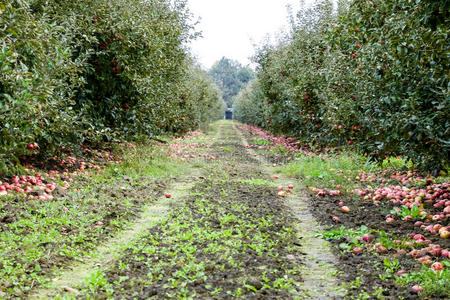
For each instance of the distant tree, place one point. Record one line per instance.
(230, 76)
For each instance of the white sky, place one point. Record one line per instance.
(231, 27)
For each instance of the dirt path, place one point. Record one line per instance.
(225, 234)
(318, 269)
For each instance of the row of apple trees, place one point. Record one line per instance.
(370, 74)
(84, 72)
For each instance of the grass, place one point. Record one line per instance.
(145, 161)
(326, 171)
(396, 163)
(258, 181)
(262, 143)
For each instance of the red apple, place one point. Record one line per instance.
(437, 266)
(367, 238)
(381, 249)
(357, 250)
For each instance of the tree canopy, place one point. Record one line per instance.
(230, 76)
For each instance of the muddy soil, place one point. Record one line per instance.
(222, 248)
(122, 202)
(363, 272)
(233, 238)
(368, 268)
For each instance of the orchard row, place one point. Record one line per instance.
(84, 72)
(372, 75)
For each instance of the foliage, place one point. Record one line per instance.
(371, 74)
(85, 72)
(36, 75)
(208, 103)
(401, 87)
(405, 211)
(433, 283)
(231, 77)
(248, 106)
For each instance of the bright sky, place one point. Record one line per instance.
(231, 27)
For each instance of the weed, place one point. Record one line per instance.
(433, 282)
(414, 212)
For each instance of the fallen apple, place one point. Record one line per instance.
(345, 209)
(357, 250)
(390, 220)
(445, 234)
(367, 238)
(381, 249)
(437, 266)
